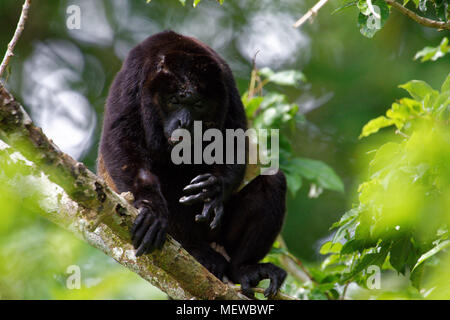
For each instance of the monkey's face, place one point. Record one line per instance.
(189, 89)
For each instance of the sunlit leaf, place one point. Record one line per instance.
(374, 125)
(399, 254)
(330, 247)
(285, 78)
(320, 172)
(418, 89)
(446, 84)
(433, 53)
(442, 245)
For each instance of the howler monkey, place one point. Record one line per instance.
(166, 83)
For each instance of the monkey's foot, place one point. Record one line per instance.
(250, 275)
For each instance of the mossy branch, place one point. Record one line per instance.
(100, 216)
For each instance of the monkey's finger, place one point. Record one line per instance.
(196, 198)
(137, 222)
(140, 232)
(272, 290)
(160, 238)
(201, 178)
(147, 242)
(218, 211)
(247, 290)
(207, 208)
(196, 187)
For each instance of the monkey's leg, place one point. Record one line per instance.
(253, 218)
(209, 258)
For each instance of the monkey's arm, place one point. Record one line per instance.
(215, 188)
(125, 162)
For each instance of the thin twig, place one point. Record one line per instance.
(311, 12)
(251, 89)
(440, 25)
(344, 292)
(20, 26)
(372, 9)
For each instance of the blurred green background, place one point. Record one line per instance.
(62, 76)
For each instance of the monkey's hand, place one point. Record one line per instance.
(208, 189)
(149, 229)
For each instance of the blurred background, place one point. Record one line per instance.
(62, 76)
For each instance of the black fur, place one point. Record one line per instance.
(170, 69)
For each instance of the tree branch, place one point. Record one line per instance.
(95, 213)
(20, 26)
(311, 12)
(440, 25)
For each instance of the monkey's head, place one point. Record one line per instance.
(187, 88)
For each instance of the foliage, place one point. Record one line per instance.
(273, 110)
(373, 14)
(401, 220)
(433, 53)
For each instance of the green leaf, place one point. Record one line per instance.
(417, 276)
(356, 245)
(418, 89)
(368, 24)
(433, 53)
(442, 9)
(349, 216)
(363, 7)
(442, 245)
(251, 105)
(374, 125)
(446, 84)
(400, 252)
(196, 2)
(183, 2)
(284, 78)
(318, 171)
(294, 182)
(330, 247)
(367, 260)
